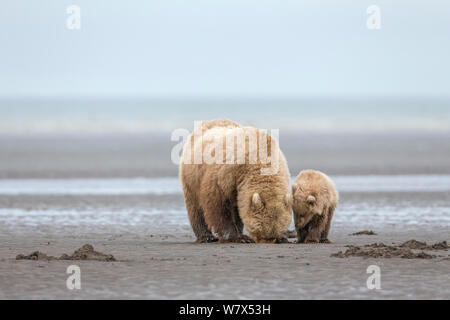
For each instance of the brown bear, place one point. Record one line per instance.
(315, 199)
(228, 185)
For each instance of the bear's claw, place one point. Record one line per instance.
(241, 239)
(207, 239)
(282, 240)
(246, 239)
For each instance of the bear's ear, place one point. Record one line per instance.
(311, 200)
(288, 200)
(256, 201)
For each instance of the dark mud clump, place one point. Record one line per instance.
(86, 252)
(37, 255)
(440, 246)
(381, 251)
(404, 250)
(414, 244)
(364, 233)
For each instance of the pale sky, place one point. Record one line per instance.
(224, 48)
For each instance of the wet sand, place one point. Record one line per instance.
(158, 259)
(150, 237)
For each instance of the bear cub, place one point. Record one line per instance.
(315, 199)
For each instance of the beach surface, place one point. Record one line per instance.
(121, 195)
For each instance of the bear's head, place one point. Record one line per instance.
(306, 204)
(267, 215)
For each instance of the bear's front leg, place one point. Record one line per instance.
(230, 234)
(324, 235)
(313, 236)
(234, 228)
(238, 226)
(302, 233)
(316, 227)
(237, 239)
(282, 239)
(220, 216)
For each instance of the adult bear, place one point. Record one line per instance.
(235, 176)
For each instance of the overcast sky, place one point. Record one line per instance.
(224, 48)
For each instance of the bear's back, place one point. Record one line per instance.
(314, 181)
(219, 123)
(230, 135)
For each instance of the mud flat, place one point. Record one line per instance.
(407, 250)
(150, 237)
(58, 194)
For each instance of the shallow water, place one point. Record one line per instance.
(366, 201)
(172, 185)
(358, 214)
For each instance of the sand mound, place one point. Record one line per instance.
(414, 244)
(381, 252)
(86, 252)
(440, 246)
(404, 250)
(36, 256)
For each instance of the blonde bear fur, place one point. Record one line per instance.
(223, 198)
(315, 199)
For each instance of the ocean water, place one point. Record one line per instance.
(366, 202)
(311, 115)
(362, 216)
